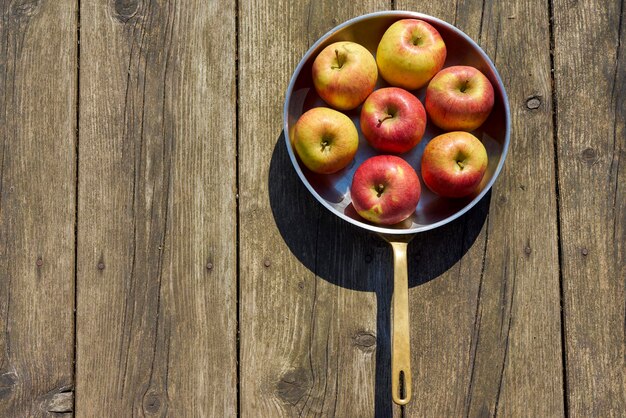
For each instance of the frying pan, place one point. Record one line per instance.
(333, 191)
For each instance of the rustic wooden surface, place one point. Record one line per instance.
(485, 327)
(156, 285)
(144, 182)
(38, 56)
(592, 202)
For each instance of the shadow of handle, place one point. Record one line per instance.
(400, 341)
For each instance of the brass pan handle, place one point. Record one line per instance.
(400, 341)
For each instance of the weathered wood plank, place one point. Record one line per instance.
(486, 333)
(37, 205)
(314, 305)
(590, 80)
(156, 311)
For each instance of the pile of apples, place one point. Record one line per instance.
(385, 188)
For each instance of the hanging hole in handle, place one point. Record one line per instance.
(402, 400)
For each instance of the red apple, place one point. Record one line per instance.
(410, 53)
(344, 74)
(325, 140)
(453, 164)
(393, 120)
(459, 98)
(385, 189)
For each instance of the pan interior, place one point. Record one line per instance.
(333, 190)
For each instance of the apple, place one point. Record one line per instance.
(344, 74)
(393, 120)
(459, 98)
(325, 140)
(385, 189)
(410, 53)
(453, 164)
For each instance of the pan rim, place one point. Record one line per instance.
(374, 228)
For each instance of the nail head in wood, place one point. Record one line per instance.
(39, 262)
(584, 252)
(267, 263)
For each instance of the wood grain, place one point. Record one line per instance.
(165, 144)
(313, 302)
(590, 80)
(37, 205)
(486, 333)
(157, 209)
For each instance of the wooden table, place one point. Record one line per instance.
(159, 256)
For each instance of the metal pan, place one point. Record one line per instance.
(333, 191)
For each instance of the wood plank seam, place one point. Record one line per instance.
(237, 221)
(477, 320)
(76, 194)
(555, 136)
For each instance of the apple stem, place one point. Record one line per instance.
(380, 121)
(460, 163)
(339, 60)
(379, 189)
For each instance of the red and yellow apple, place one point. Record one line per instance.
(344, 74)
(385, 189)
(325, 140)
(393, 120)
(453, 164)
(459, 98)
(410, 53)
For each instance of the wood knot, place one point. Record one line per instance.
(7, 383)
(125, 9)
(152, 403)
(365, 341)
(502, 200)
(293, 385)
(589, 155)
(533, 102)
(60, 401)
(24, 8)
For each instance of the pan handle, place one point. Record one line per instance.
(400, 341)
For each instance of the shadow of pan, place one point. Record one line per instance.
(356, 259)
